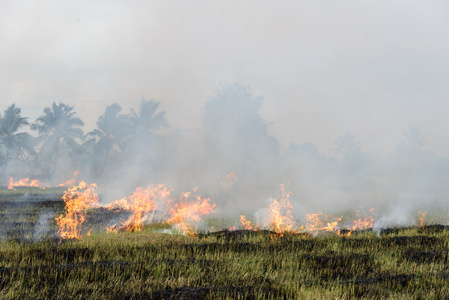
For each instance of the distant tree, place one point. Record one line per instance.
(237, 134)
(58, 124)
(12, 140)
(111, 134)
(111, 131)
(306, 152)
(412, 145)
(347, 146)
(147, 120)
(234, 111)
(349, 158)
(143, 128)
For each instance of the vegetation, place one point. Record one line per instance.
(57, 124)
(234, 139)
(237, 164)
(400, 263)
(14, 142)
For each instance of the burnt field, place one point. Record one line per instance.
(408, 263)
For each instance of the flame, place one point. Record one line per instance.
(140, 203)
(421, 218)
(281, 218)
(321, 222)
(112, 229)
(144, 201)
(23, 182)
(247, 225)
(36, 183)
(70, 182)
(229, 180)
(181, 214)
(363, 223)
(78, 200)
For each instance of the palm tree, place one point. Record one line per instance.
(58, 123)
(147, 120)
(111, 133)
(10, 123)
(111, 129)
(144, 125)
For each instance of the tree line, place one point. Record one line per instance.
(234, 138)
(60, 136)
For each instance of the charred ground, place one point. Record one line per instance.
(409, 262)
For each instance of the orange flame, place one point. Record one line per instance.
(421, 218)
(184, 213)
(281, 218)
(23, 182)
(321, 222)
(363, 223)
(229, 180)
(70, 182)
(78, 200)
(247, 225)
(141, 202)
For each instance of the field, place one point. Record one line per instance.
(395, 263)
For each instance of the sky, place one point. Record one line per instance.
(324, 68)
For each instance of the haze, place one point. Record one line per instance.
(324, 68)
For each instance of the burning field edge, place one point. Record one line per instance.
(143, 257)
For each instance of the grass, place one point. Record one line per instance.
(404, 263)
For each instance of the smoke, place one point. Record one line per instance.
(234, 161)
(42, 229)
(335, 93)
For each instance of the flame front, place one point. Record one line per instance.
(421, 218)
(363, 223)
(281, 218)
(78, 200)
(23, 182)
(140, 203)
(321, 222)
(182, 213)
(189, 209)
(247, 225)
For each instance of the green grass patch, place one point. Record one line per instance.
(160, 263)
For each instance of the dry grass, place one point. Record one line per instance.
(408, 263)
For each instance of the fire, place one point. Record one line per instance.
(229, 180)
(188, 209)
(70, 182)
(182, 213)
(421, 218)
(36, 183)
(363, 223)
(247, 225)
(143, 202)
(78, 200)
(280, 215)
(321, 222)
(140, 203)
(281, 218)
(23, 182)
